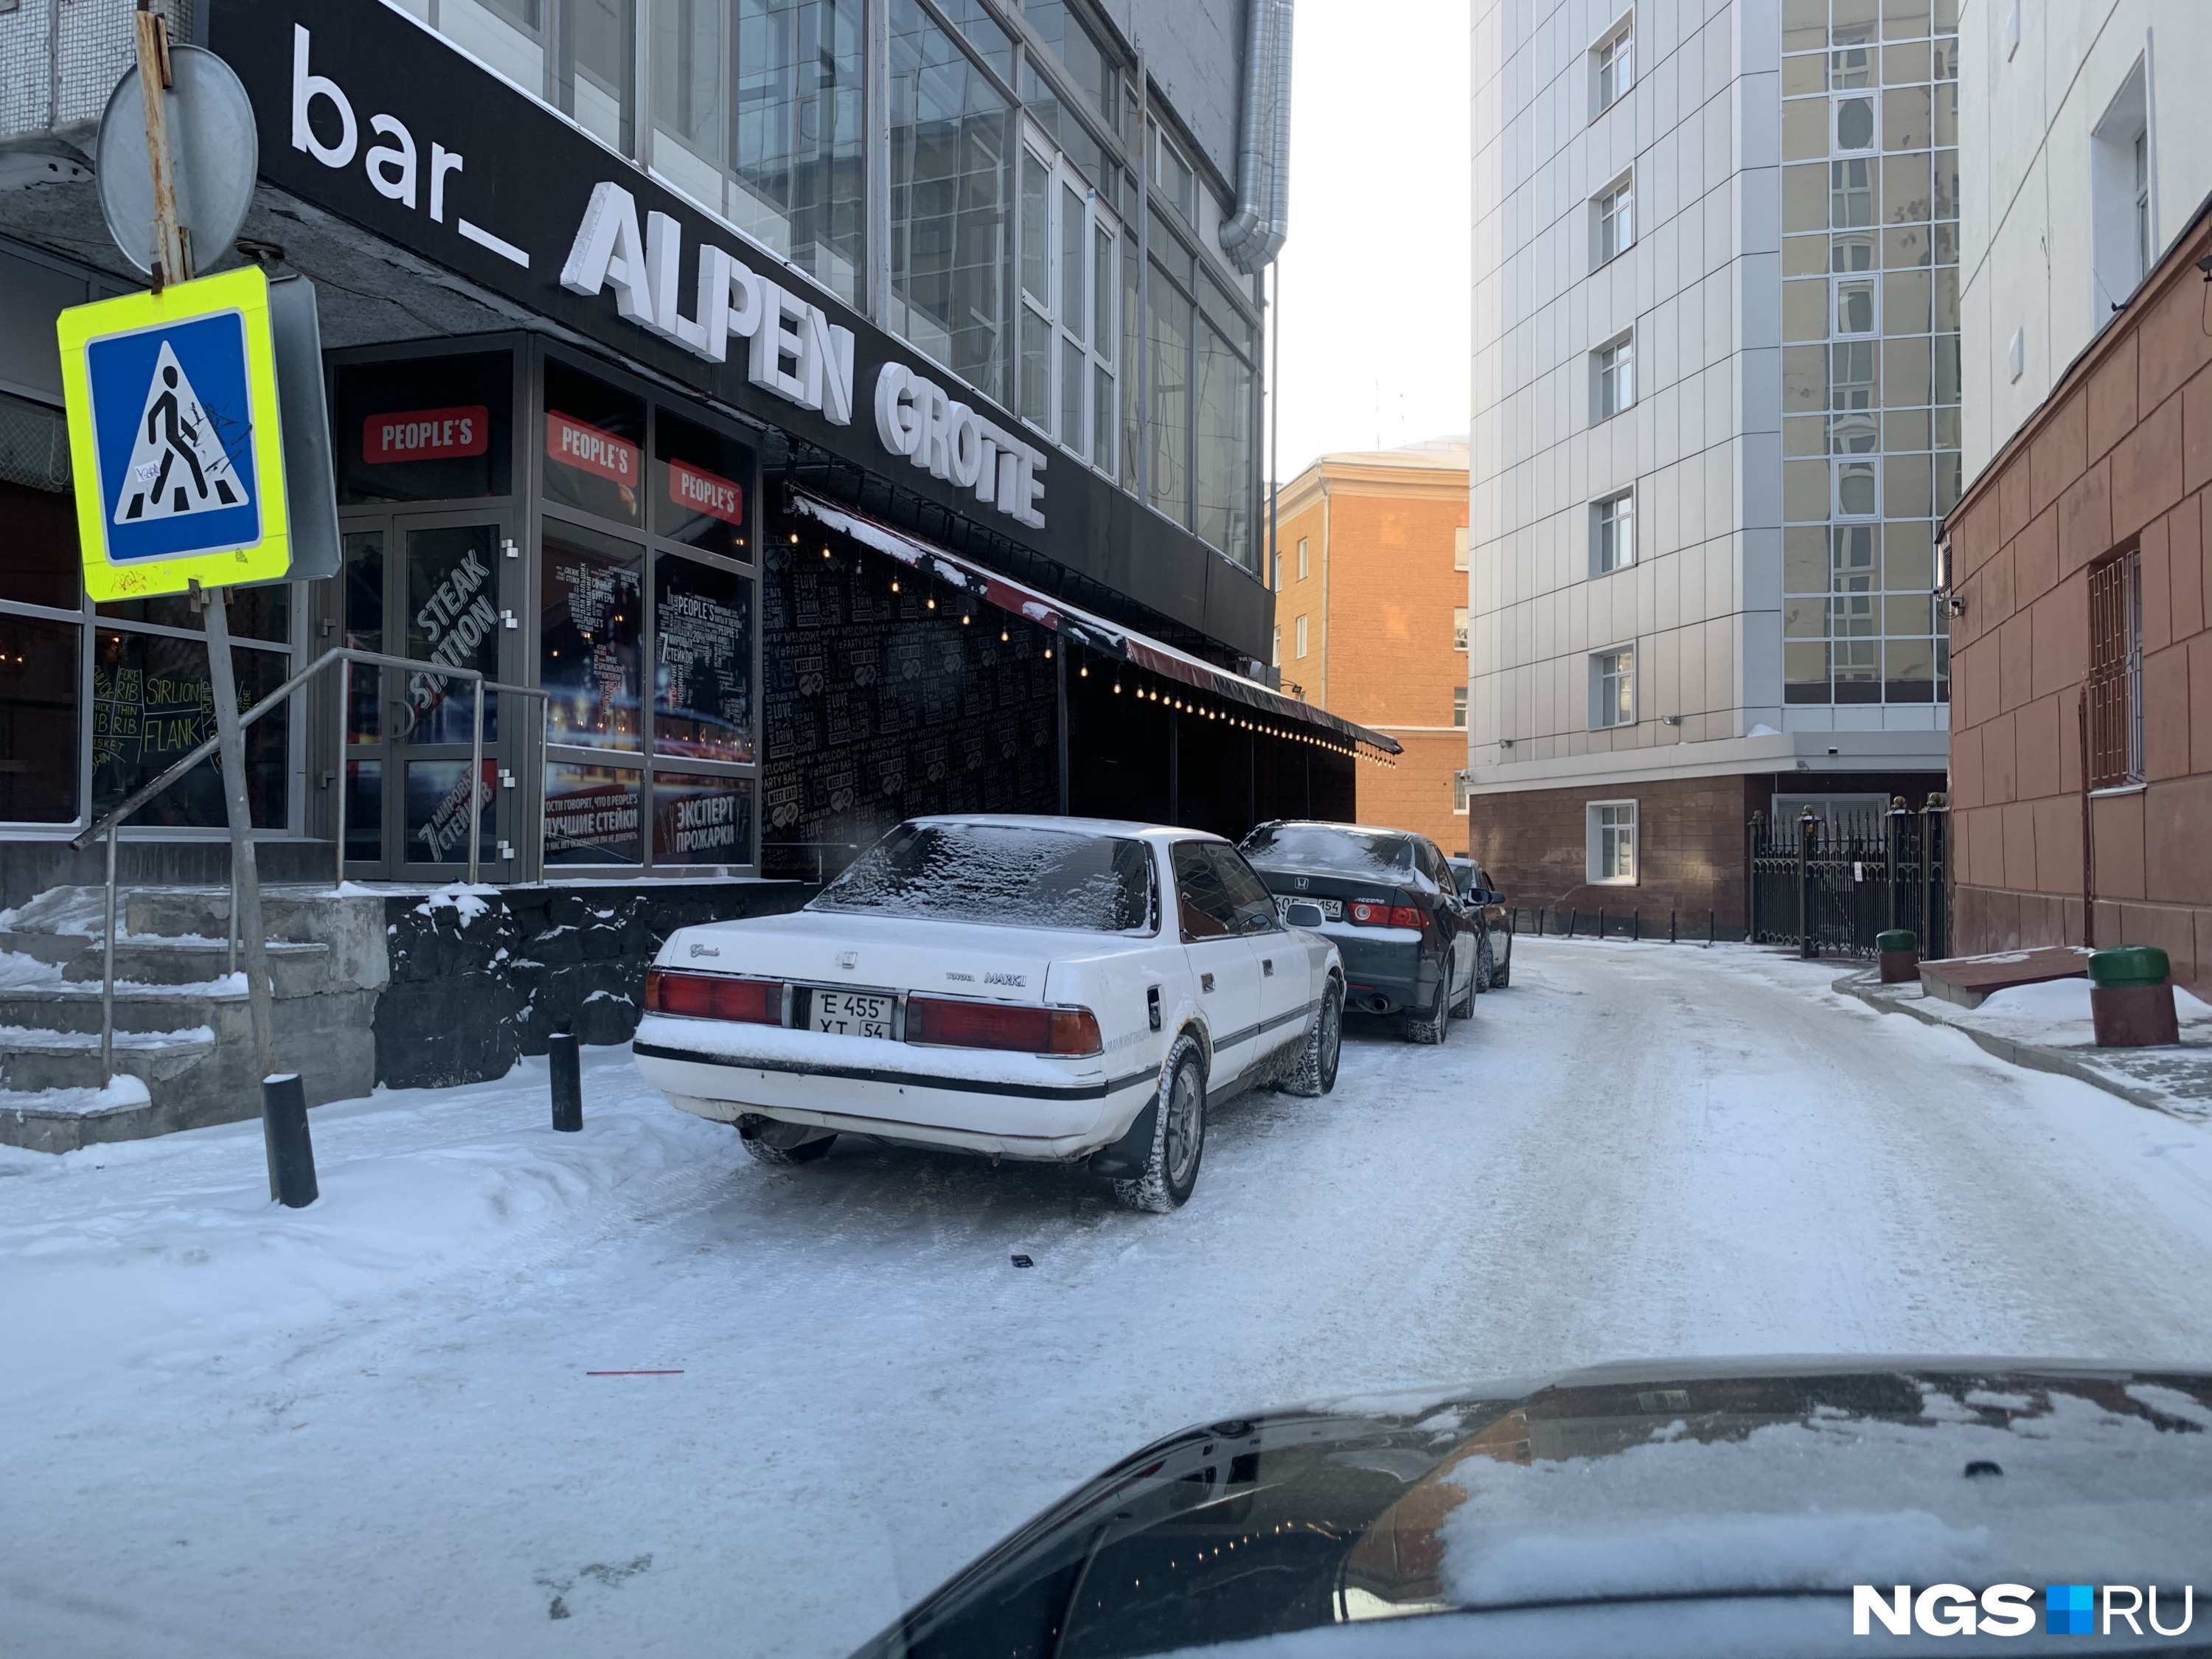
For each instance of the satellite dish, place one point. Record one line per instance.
(214, 150)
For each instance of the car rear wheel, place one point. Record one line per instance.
(1429, 1029)
(1178, 1135)
(1477, 983)
(783, 1144)
(1317, 1061)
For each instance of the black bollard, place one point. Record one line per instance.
(291, 1153)
(565, 1064)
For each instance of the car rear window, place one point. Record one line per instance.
(1323, 846)
(1008, 876)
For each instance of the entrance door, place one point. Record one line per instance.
(431, 587)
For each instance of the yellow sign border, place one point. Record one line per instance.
(245, 291)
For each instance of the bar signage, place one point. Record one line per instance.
(704, 492)
(426, 434)
(588, 449)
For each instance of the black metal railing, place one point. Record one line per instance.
(1830, 885)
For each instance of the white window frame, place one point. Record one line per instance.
(1460, 548)
(1275, 648)
(1615, 205)
(1603, 707)
(1619, 500)
(1459, 628)
(1099, 344)
(1627, 830)
(1870, 95)
(1612, 65)
(1302, 558)
(1459, 794)
(1870, 280)
(1301, 634)
(1872, 462)
(1459, 708)
(2122, 205)
(1621, 351)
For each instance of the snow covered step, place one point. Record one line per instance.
(297, 968)
(61, 1119)
(33, 1060)
(66, 1008)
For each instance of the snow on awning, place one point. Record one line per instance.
(1092, 632)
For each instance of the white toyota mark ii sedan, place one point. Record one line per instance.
(1057, 989)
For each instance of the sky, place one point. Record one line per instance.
(1375, 274)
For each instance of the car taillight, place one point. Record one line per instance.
(944, 1023)
(714, 996)
(1372, 913)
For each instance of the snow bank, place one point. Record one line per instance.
(175, 1251)
(121, 1094)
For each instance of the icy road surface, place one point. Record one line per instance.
(371, 1428)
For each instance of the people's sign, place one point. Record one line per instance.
(175, 438)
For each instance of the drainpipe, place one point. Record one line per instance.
(1255, 234)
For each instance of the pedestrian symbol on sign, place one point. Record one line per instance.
(177, 465)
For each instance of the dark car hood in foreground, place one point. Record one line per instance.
(1708, 1509)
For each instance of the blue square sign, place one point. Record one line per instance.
(173, 419)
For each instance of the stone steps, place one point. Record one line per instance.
(181, 1028)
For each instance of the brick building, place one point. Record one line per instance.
(1371, 617)
(2082, 661)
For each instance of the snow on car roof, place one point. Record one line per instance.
(1128, 827)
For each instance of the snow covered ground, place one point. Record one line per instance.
(380, 1427)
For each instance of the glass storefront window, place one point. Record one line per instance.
(253, 613)
(42, 566)
(437, 827)
(702, 668)
(951, 197)
(38, 668)
(593, 439)
(152, 701)
(364, 631)
(702, 487)
(453, 618)
(1224, 446)
(429, 429)
(698, 819)
(592, 816)
(591, 625)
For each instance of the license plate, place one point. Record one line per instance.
(849, 1013)
(1331, 909)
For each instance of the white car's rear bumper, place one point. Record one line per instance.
(1007, 1105)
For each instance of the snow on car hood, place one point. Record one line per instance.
(965, 959)
(1609, 1487)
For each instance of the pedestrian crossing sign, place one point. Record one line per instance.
(175, 439)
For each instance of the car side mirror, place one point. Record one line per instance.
(1302, 913)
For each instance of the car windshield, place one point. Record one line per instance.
(1007, 875)
(1329, 847)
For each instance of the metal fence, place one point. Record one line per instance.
(1830, 886)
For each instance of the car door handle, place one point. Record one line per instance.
(1267, 965)
(1206, 982)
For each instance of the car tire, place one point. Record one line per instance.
(1317, 1061)
(754, 1132)
(1477, 983)
(1429, 1029)
(1170, 1172)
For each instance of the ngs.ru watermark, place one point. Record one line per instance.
(2010, 1610)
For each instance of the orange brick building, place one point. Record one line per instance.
(2081, 666)
(1371, 617)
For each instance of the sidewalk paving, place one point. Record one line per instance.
(2047, 1028)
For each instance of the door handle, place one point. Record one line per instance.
(1267, 965)
(1206, 982)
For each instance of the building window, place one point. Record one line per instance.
(1613, 64)
(1459, 548)
(1613, 533)
(1855, 123)
(1613, 223)
(1069, 329)
(1613, 367)
(1610, 832)
(1459, 793)
(1459, 706)
(2116, 700)
(1302, 558)
(1459, 628)
(1613, 688)
(1301, 637)
(2123, 237)
(951, 190)
(1172, 177)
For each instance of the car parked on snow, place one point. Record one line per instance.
(1410, 944)
(1477, 888)
(1070, 990)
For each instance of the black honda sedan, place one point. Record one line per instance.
(1410, 944)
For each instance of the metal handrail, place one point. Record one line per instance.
(112, 821)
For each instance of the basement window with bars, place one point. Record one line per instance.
(2115, 683)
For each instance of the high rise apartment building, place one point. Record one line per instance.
(1715, 423)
